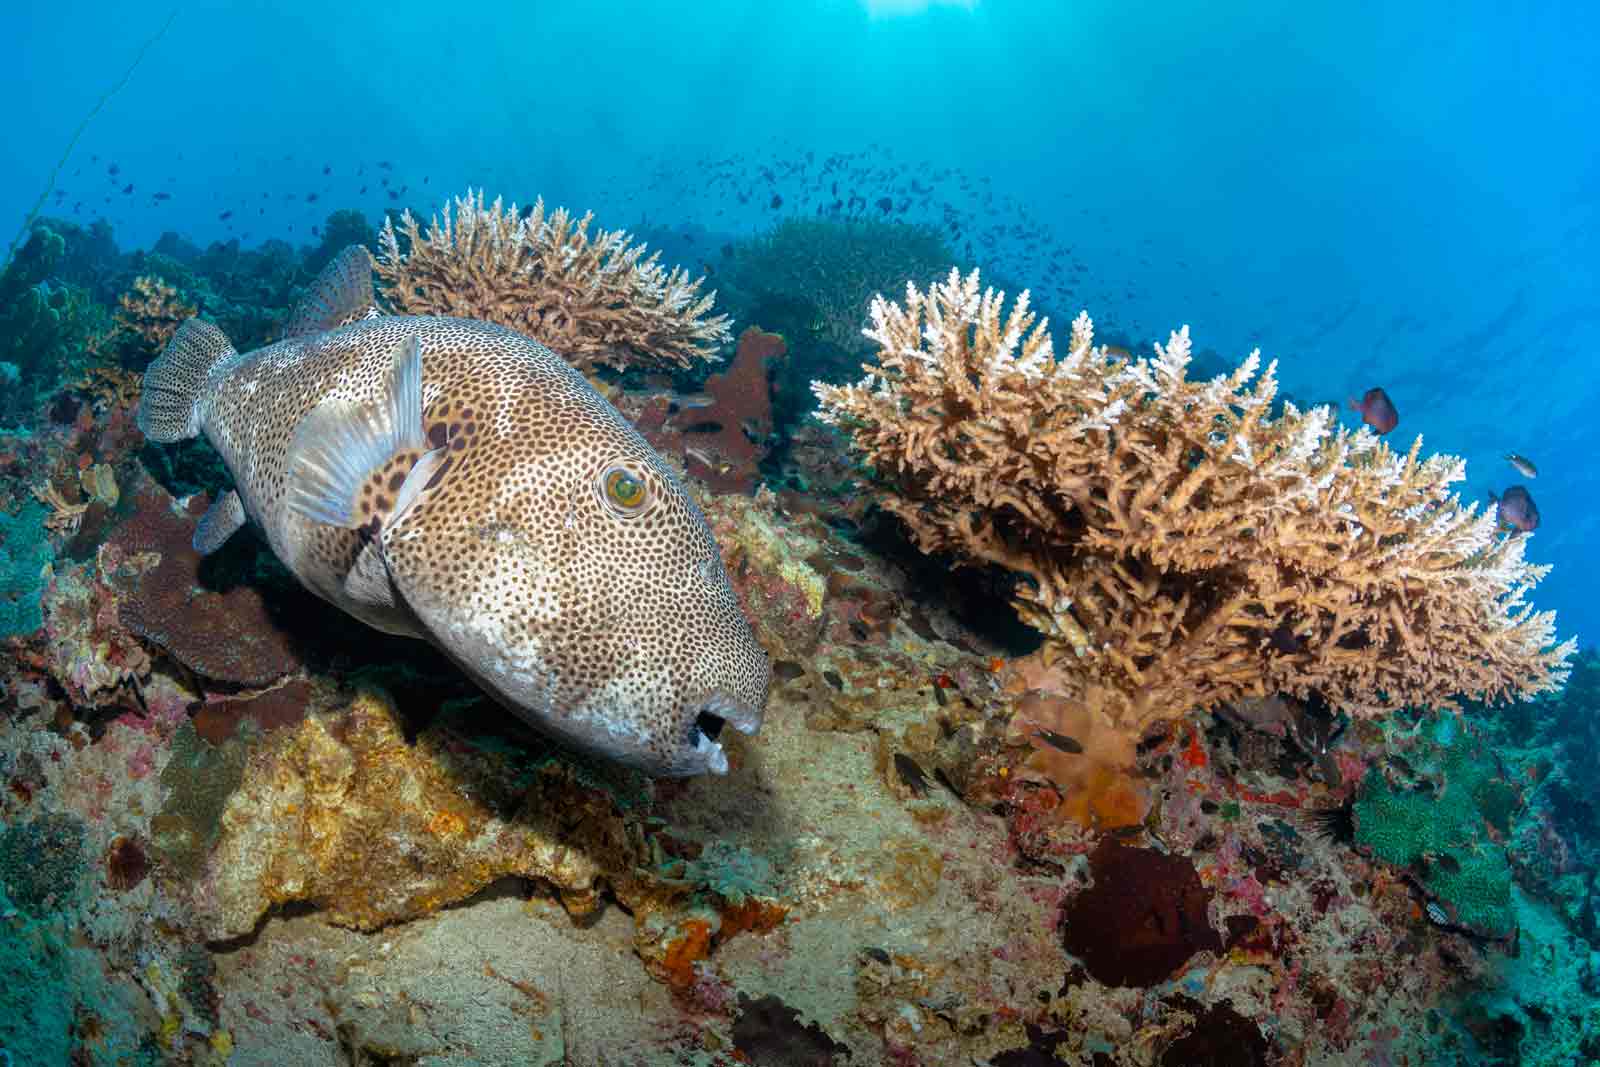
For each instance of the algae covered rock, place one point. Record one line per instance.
(344, 813)
(24, 557)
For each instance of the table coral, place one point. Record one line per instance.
(595, 299)
(227, 636)
(1183, 543)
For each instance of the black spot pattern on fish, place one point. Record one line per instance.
(633, 614)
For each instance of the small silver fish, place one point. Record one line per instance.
(1523, 464)
(1437, 914)
(455, 481)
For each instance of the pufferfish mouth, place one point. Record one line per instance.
(716, 711)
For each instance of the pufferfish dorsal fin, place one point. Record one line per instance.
(340, 295)
(352, 462)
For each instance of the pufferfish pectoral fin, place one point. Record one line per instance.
(220, 522)
(344, 453)
(368, 581)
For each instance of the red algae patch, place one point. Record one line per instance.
(272, 710)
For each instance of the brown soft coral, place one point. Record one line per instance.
(594, 299)
(1182, 545)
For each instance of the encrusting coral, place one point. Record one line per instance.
(595, 299)
(1184, 543)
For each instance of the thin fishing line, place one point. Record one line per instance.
(50, 184)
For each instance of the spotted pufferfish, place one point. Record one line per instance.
(456, 481)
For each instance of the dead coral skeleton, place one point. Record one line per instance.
(1182, 544)
(594, 298)
(65, 517)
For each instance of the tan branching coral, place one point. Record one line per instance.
(152, 310)
(1181, 544)
(593, 298)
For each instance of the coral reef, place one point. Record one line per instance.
(723, 440)
(835, 266)
(1444, 820)
(229, 636)
(596, 299)
(24, 566)
(1179, 546)
(42, 862)
(341, 230)
(45, 323)
(57, 1006)
(152, 311)
(231, 831)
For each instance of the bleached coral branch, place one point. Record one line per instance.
(1183, 544)
(594, 298)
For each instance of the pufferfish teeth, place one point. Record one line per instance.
(716, 759)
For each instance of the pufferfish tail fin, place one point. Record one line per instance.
(340, 295)
(174, 385)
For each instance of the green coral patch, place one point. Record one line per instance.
(1445, 827)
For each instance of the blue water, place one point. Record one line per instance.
(1378, 194)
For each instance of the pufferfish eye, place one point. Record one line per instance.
(625, 490)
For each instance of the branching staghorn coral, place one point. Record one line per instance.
(1181, 546)
(594, 299)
